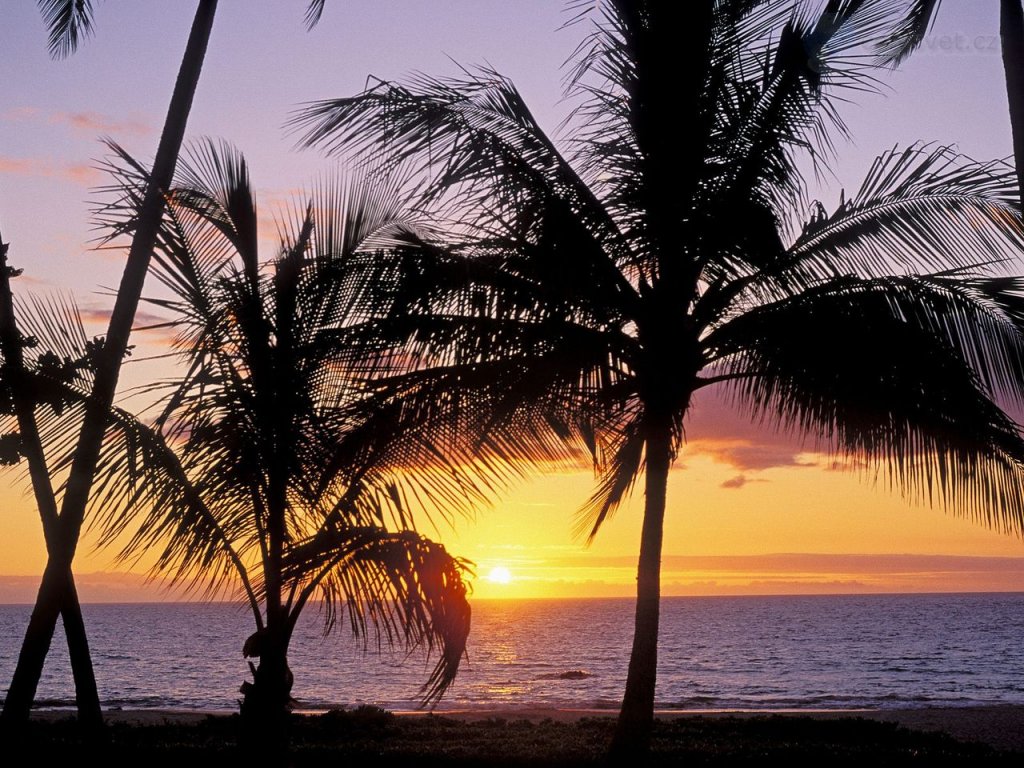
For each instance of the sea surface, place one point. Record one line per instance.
(880, 651)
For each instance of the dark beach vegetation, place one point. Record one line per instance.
(371, 736)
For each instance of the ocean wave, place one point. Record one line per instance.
(569, 674)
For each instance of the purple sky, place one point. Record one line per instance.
(262, 64)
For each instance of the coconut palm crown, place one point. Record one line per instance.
(262, 470)
(656, 253)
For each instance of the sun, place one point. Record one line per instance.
(499, 575)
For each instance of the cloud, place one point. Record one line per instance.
(93, 123)
(155, 328)
(846, 464)
(809, 563)
(739, 481)
(795, 574)
(748, 456)
(85, 175)
(76, 173)
(17, 166)
(96, 588)
(143, 319)
(587, 575)
(86, 123)
(774, 587)
(717, 429)
(19, 114)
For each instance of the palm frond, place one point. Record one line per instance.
(213, 183)
(919, 209)
(68, 22)
(919, 406)
(616, 481)
(919, 15)
(314, 11)
(401, 587)
(465, 133)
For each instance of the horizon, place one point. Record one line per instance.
(864, 575)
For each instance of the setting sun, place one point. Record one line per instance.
(499, 575)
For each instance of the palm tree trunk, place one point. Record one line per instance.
(1011, 30)
(86, 692)
(636, 718)
(264, 710)
(57, 576)
(87, 696)
(265, 706)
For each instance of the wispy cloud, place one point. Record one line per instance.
(19, 114)
(17, 166)
(88, 124)
(746, 455)
(156, 330)
(143, 319)
(716, 429)
(739, 481)
(93, 124)
(806, 562)
(102, 587)
(782, 574)
(76, 173)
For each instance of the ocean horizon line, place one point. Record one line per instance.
(586, 598)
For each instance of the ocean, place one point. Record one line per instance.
(747, 653)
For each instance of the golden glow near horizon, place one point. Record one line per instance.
(798, 529)
(806, 528)
(499, 574)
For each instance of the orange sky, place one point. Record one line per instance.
(785, 530)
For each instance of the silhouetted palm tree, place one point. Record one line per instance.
(667, 257)
(69, 22)
(918, 18)
(266, 468)
(21, 401)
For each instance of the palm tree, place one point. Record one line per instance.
(608, 288)
(69, 22)
(265, 468)
(918, 18)
(21, 401)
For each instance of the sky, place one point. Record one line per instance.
(749, 511)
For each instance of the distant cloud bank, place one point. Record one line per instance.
(583, 575)
(103, 587)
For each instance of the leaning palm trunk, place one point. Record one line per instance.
(11, 343)
(919, 15)
(57, 581)
(1011, 29)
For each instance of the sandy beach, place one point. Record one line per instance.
(1001, 727)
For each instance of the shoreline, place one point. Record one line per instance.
(1000, 726)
